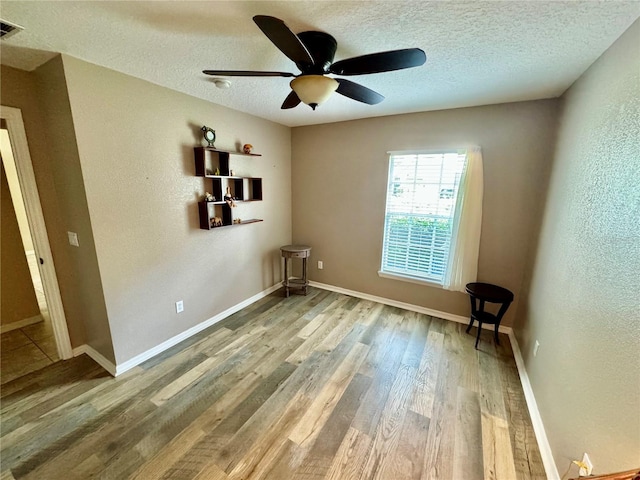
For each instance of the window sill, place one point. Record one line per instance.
(406, 278)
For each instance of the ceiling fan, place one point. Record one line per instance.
(313, 54)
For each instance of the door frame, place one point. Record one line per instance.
(35, 218)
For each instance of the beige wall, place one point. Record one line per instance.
(136, 141)
(41, 96)
(339, 187)
(583, 304)
(16, 289)
(81, 286)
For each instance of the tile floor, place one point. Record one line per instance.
(26, 350)
(31, 348)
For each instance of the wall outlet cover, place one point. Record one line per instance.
(585, 472)
(179, 306)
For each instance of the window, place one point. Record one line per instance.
(419, 220)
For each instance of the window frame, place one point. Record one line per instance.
(407, 276)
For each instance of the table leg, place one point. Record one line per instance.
(479, 330)
(304, 275)
(473, 310)
(286, 277)
(501, 312)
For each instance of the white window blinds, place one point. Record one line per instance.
(420, 207)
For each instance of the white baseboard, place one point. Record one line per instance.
(97, 356)
(534, 413)
(120, 368)
(20, 323)
(406, 306)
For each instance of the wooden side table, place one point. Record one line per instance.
(295, 251)
(486, 292)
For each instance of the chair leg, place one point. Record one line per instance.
(496, 333)
(470, 325)
(479, 330)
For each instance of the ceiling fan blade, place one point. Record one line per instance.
(291, 101)
(380, 62)
(283, 38)
(246, 73)
(357, 92)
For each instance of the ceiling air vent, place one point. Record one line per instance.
(9, 29)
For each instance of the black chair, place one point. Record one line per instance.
(479, 293)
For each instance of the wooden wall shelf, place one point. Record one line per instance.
(214, 165)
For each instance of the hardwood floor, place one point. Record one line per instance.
(322, 386)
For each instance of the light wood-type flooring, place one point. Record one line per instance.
(323, 386)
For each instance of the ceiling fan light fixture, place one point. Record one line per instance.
(313, 54)
(314, 89)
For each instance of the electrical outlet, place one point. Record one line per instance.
(536, 346)
(179, 306)
(585, 472)
(320, 265)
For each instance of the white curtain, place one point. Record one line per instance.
(462, 266)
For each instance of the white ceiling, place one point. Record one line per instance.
(478, 52)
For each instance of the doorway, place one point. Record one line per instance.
(34, 330)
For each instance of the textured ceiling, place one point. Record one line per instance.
(478, 52)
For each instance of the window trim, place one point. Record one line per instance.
(404, 277)
(409, 279)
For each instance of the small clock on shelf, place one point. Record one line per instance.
(209, 136)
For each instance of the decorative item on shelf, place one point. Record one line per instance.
(229, 198)
(231, 173)
(247, 148)
(209, 136)
(208, 172)
(208, 197)
(217, 172)
(237, 221)
(216, 222)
